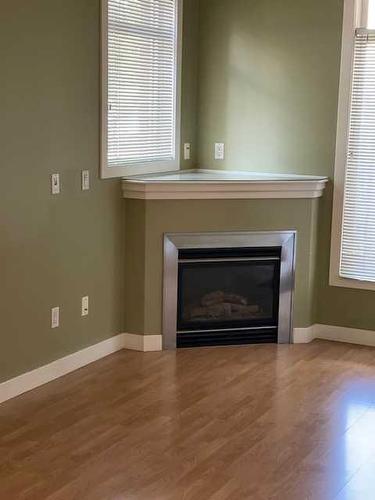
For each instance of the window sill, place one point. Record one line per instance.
(138, 170)
(337, 281)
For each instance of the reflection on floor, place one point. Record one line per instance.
(257, 422)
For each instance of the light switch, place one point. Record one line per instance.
(55, 183)
(55, 317)
(85, 180)
(187, 150)
(219, 151)
(85, 306)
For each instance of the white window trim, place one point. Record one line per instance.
(355, 12)
(141, 168)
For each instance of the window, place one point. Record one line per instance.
(353, 228)
(140, 86)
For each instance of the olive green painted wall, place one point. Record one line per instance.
(189, 84)
(268, 88)
(135, 270)
(154, 218)
(268, 76)
(54, 250)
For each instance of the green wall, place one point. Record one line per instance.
(56, 249)
(268, 88)
(189, 84)
(268, 76)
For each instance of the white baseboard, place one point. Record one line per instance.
(148, 343)
(40, 376)
(343, 334)
(335, 334)
(144, 343)
(304, 335)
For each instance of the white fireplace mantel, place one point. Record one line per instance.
(221, 184)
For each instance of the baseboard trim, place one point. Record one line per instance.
(304, 335)
(144, 343)
(335, 334)
(344, 334)
(40, 376)
(151, 343)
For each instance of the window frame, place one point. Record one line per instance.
(141, 168)
(355, 16)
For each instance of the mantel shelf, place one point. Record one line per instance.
(216, 184)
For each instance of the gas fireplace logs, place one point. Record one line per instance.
(221, 305)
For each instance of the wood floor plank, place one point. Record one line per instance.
(293, 422)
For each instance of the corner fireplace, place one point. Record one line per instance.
(228, 288)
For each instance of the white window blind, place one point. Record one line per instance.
(358, 229)
(141, 82)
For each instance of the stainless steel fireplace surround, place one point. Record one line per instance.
(178, 242)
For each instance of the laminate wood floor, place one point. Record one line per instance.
(260, 422)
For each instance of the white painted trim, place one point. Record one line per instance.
(144, 343)
(303, 335)
(148, 167)
(343, 334)
(335, 334)
(237, 186)
(355, 14)
(44, 374)
(40, 376)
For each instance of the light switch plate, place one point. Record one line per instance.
(55, 183)
(55, 317)
(219, 151)
(187, 151)
(85, 180)
(85, 306)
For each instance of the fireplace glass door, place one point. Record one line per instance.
(228, 294)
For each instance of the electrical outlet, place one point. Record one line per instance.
(85, 306)
(55, 317)
(187, 150)
(85, 180)
(55, 183)
(219, 151)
